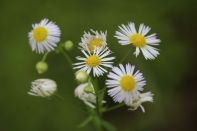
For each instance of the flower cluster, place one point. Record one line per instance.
(124, 83)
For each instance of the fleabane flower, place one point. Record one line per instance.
(86, 93)
(91, 41)
(139, 99)
(44, 36)
(43, 87)
(128, 34)
(95, 62)
(123, 83)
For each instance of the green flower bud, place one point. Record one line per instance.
(41, 67)
(81, 76)
(68, 45)
(89, 88)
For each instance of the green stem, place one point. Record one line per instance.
(114, 107)
(59, 96)
(127, 54)
(97, 98)
(45, 57)
(85, 122)
(67, 57)
(97, 115)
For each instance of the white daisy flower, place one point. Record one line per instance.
(91, 41)
(127, 34)
(86, 93)
(44, 36)
(124, 84)
(139, 99)
(43, 87)
(95, 61)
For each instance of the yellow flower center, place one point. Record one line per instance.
(127, 83)
(40, 34)
(93, 61)
(96, 42)
(138, 40)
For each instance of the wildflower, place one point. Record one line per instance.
(41, 67)
(43, 87)
(124, 84)
(92, 41)
(139, 99)
(95, 61)
(127, 34)
(44, 36)
(81, 76)
(86, 93)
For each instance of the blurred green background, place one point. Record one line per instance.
(171, 77)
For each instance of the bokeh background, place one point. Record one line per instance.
(171, 77)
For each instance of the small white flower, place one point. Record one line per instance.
(95, 61)
(127, 34)
(139, 99)
(92, 41)
(44, 36)
(86, 93)
(43, 87)
(124, 84)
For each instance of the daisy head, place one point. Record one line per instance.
(95, 62)
(44, 36)
(128, 34)
(93, 40)
(123, 83)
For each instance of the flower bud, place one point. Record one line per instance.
(139, 99)
(43, 87)
(88, 98)
(41, 67)
(68, 45)
(89, 88)
(81, 76)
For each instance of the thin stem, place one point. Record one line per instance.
(127, 54)
(59, 96)
(97, 112)
(45, 56)
(85, 122)
(114, 107)
(97, 99)
(67, 57)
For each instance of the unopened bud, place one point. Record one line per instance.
(88, 98)
(89, 88)
(68, 45)
(81, 76)
(43, 87)
(41, 67)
